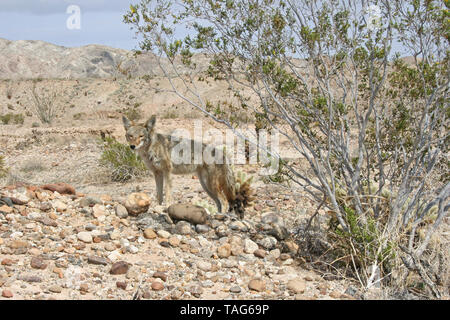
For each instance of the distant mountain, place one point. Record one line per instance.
(30, 59)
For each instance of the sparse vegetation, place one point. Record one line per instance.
(11, 118)
(3, 169)
(123, 163)
(33, 165)
(46, 103)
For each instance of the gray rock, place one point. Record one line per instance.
(121, 211)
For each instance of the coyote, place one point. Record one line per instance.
(156, 151)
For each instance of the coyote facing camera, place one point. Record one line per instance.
(217, 179)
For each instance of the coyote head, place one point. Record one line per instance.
(138, 135)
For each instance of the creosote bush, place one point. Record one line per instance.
(122, 162)
(329, 76)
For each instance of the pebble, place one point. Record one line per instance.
(163, 234)
(257, 285)
(204, 266)
(157, 285)
(85, 236)
(224, 251)
(55, 289)
(7, 294)
(121, 211)
(38, 263)
(149, 233)
(97, 260)
(121, 285)
(120, 267)
(250, 246)
(235, 289)
(297, 285)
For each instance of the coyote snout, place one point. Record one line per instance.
(156, 151)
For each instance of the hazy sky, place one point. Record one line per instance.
(101, 22)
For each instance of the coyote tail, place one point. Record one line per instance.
(236, 189)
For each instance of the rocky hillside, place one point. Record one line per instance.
(30, 59)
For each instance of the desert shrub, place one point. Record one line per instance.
(3, 169)
(46, 103)
(12, 118)
(123, 163)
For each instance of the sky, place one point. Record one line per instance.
(46, 20)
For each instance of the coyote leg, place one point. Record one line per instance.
(168, 188)
(159, 179)
(206, 185)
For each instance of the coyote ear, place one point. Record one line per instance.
(126, 122)
(150, 122)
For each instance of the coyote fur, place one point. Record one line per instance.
(155, 149)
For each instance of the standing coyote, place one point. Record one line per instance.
(156, 151)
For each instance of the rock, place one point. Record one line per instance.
(38, 263)
(114, 256)
(85, 236)
(174, 241)
(120, 267)
(224, 251)
(84, 287)
(235, 289)
(61, 188)
(188, 212)
(45, 206)
(29, 278)
(183, 227)
(160, 275)
(18, 244)
(122, 285)
(260, 253)
(157, 285)
(163, 234)
(268, 243)
(149, 233)
(7, 262)
(121, 211)
(239, 226)
(250, 246)
(335, 294)
(6, 209)
(59, 205)
(297, 285)
(132, 249)
(55, 289)
(89, 201)
(109, 246)
(196, 291)
(257, 285)
(201, 228)
(204, 266)
(274, 254)
(98, 210)
(7, 294)
(97, 260)
(137, 203)
(48, 222)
